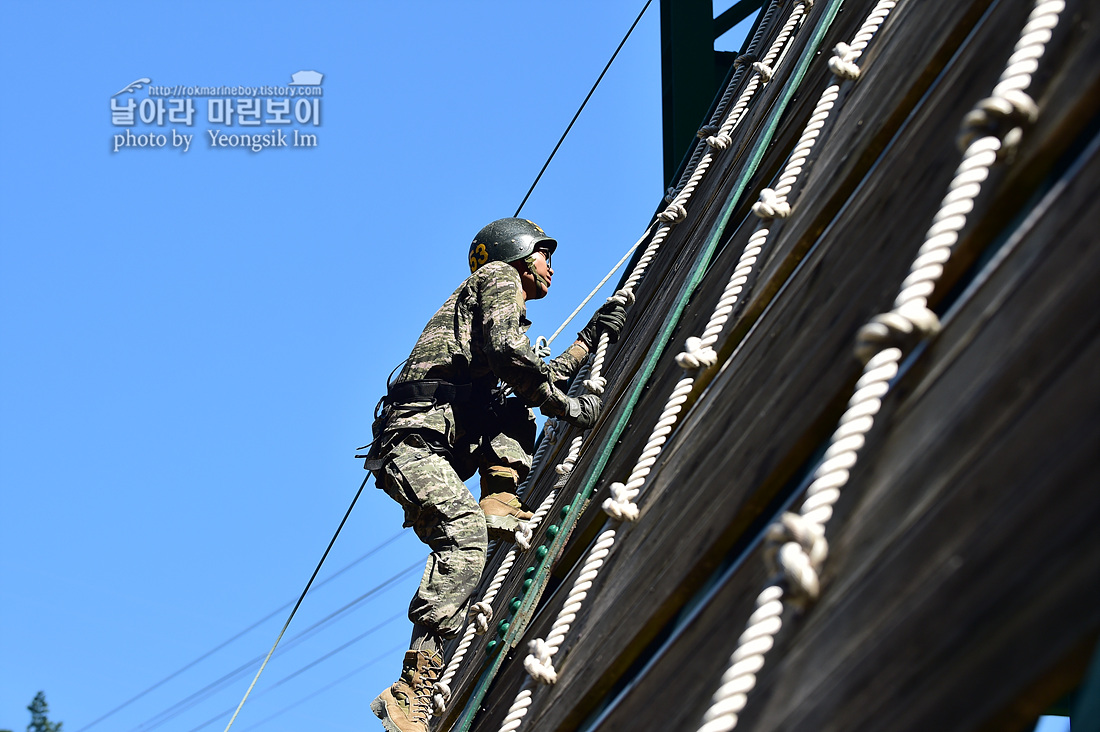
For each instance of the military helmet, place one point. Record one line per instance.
(508, 240)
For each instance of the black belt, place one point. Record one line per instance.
(428, 390)
(435, 391)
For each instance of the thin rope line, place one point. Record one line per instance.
(578, 114)
(299, 603)
(225, 643)
(328, 686)
(197, 697)
(602, 283)
(303, 669)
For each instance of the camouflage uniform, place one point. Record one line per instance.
(426, 450)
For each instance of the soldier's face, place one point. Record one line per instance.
(537, 283)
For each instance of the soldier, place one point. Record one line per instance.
(447, 416)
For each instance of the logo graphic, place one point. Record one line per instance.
(306, 78)
(134, 85)
(255, 118)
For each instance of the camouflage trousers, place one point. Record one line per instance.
(446, 516)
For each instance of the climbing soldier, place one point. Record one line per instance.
(447, 416)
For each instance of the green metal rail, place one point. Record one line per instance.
(538, 574)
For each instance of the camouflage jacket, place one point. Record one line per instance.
(479, 337)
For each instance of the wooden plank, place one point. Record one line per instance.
(971, 563)
(677, 256)
(832, 353)
(966, 565)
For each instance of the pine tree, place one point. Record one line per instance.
(38, 709)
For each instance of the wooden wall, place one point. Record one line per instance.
(964, 574)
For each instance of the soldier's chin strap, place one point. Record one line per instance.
(530, 262)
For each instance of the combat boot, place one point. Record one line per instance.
(504, 513)
(503, 510)
(406, 706)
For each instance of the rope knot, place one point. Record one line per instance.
(524, 534)
(441, 696)
(1002, 116)
(843, 64)
(903, 327)
(596, 385)
(539, 662)
(721, 141)
(795, 548)
(550, 431)
(696, 356)
(745, 59)
(707, 130)
(670, 194)
(770, 207)
(542, 347)
(621, 506)
(623, 297)
(481, 614)
(766, 72)
(674, 214)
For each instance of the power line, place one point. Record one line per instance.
(327, 686)
(578, 114)
(203, 693)
(300, 599)
(225, 643)
(305, 668)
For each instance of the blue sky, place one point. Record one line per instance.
(194, 341)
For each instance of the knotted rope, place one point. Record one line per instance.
(539, 662)
(712, 128)
(698, 351)
(480, 614)
(881, 344)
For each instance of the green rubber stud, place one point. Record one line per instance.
(565, 510)
(514, 604)
(541, 552)
(504, 626)
(492, 646)
(531, 571)
(552, 530)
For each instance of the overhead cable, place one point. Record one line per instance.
(225, 643)
(581, 109)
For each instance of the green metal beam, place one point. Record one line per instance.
(687, 73)
(524, 608)
(691, 70)
(734, 15)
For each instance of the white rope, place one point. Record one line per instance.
(481, 613)
(797, 546)
(699, 352)
(566, 466)
(526, 531)
(540, 341)
(676, 211)
(539, 661)
(763, 72)
(712, 128)
(518, 709)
